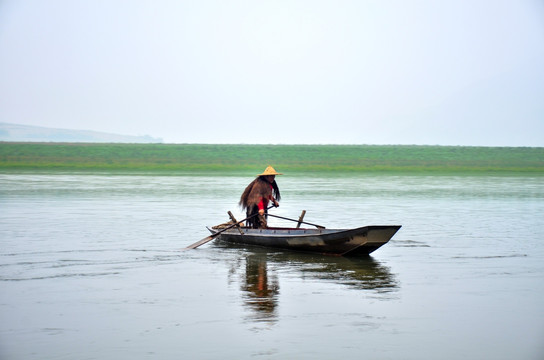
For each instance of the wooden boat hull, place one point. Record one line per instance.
(339, 242)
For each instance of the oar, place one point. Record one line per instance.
(213, 236)
(298, 221)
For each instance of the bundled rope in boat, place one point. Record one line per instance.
(223, 225)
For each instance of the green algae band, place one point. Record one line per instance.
(244, 159)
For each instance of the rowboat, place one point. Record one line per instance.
(339, 242)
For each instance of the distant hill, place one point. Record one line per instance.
(25, 133)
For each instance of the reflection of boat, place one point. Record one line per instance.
(341, 242)
(360, 273)
(363, 273)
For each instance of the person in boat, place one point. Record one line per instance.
(257, 195)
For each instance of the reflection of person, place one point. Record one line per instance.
(257, 195)
(261, 290)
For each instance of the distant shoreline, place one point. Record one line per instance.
(28, 133)
(251, 159)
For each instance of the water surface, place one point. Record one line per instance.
(91, 268)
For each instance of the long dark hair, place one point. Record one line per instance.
(275, 190)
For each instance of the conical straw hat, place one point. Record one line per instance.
(270, 171)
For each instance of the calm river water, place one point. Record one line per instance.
(91, 268)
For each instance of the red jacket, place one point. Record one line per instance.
(263, 204)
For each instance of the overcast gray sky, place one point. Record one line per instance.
(356, 72)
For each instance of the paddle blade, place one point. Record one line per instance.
(201, 242)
